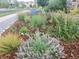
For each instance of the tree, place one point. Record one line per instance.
(42, 2)
(57, 4)
(4, 3)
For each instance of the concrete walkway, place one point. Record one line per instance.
(7, 21)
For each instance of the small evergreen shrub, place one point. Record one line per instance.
(21, 16)
(23, 30)
(57, 4)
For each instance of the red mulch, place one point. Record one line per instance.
(71, 50)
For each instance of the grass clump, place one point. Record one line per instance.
(9, 44)
(38, 21)
(64, 27)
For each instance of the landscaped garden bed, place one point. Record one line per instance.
(44, 33)
(43, 36)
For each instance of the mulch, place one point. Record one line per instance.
(71, 50)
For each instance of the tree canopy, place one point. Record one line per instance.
(57, 4)
(42, 2)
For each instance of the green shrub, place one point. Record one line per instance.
(57, 4)
(23, 30)
(9, 44)
(27, 19)
(39, 45)
(4, 5)
(46, 9)
(75, 11)
(64, 27)
(42, 2)
(24, 17)
(38, 21)
(21, 16)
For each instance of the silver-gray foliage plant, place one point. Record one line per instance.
(41, 46)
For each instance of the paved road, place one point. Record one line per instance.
(3, 10)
